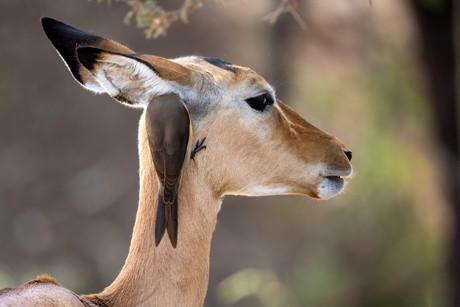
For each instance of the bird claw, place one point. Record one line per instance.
(199, 146)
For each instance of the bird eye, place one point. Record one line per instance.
(259, 103)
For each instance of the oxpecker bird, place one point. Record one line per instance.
(170, 135)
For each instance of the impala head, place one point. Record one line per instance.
(256, 145)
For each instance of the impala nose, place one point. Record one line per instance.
(348, 154)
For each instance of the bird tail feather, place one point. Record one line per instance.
(161, 220)
(171, 220)
(166, 219)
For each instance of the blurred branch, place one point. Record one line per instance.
(155, 20)
(286, 6)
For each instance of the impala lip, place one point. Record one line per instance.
(333, 174)
(336, 179)
(333, 182)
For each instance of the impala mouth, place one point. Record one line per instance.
(333, 183)
(333, 177)
(331, 174)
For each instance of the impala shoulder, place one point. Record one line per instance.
(42, 291)
(44, 279)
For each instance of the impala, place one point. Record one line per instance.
(255, 145)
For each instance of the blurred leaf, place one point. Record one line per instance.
(263, 284)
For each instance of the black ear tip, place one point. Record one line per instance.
(64, 36)
(49, 24)
(53, 29)
(47, 21)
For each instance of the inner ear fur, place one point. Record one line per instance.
(124, 77)
(133, 79)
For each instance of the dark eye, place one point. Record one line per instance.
(260, 102)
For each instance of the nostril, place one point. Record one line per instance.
(348, 154)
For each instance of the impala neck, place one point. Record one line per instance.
(164, 276)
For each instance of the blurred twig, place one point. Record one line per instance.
(286, 6)
(155, 20)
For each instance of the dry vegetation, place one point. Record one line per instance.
(155, 20)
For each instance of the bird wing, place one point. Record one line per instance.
(168, 130)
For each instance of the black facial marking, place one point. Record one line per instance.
(220, 63)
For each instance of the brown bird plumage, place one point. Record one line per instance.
(170, 134)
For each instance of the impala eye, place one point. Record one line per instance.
(259, 103)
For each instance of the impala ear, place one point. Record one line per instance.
(105, 66)
(131, 79)
(67, 40)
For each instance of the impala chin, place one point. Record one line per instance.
(333, 183)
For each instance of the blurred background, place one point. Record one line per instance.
(377, 74)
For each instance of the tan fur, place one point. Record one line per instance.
(248, 152)
(45, 278)
(168, 70)
(164, 276)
